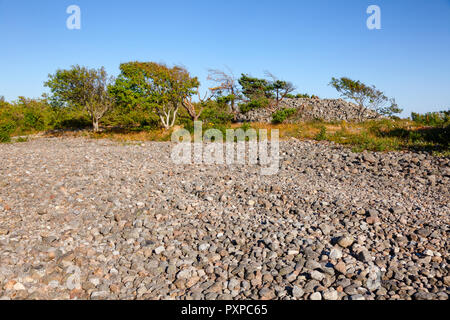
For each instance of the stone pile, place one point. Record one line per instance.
(311, 109)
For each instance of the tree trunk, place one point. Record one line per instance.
(361, 113)
(95, 124)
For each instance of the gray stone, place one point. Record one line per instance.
(315, 296)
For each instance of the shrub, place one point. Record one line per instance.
(137, 117)
(281, 115)
(6, 129)
(322, 135)
(246, 126)
(70, 118)
(216, 113)
(254, 104)
(432, 118)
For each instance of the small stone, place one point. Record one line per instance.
(368, 157)
(315, 296)
(341, 267)
(9, 285)
(364, 256)
(234, 284)
(140, 204)
(312, 264)
(192, 281)
(381, 292)
(297, 292)
(114, 288)
(335, 254)
(184, 274)
(330, 295)
(372, 220)
(291, 277)
(285, 271)
(345, 241)
(94, 281)
(397, 210)
(316, 275)
(99, 294)
(204, 247)
(18, 286)
(266, 294)
(326, 229)
(423, 296)
(160, 250)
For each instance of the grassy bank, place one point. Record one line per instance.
(381, 135)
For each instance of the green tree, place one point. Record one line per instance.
(255, 88)
(83, 87)
(158, 87)
(281, 89)
(366, 97)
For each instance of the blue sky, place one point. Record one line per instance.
(306, 42)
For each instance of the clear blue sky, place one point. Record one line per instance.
(306, 42)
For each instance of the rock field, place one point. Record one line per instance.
(311, 109)
(96, 219)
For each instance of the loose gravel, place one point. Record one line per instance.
(96, 219)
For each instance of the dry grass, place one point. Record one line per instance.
(377, 135)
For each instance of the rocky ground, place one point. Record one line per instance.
(95, 219)
(311, 109)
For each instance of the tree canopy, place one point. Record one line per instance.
(80, 86)
(161, 88)
(366, 97)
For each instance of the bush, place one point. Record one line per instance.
(137, 117)
(26, 116)
(281, 115)
(216, 113)
(433, 119)
(322, 135)
(6, 129)
(254, 104)
(70, 118)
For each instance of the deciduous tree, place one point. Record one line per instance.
(156, 85)
(83, 87)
